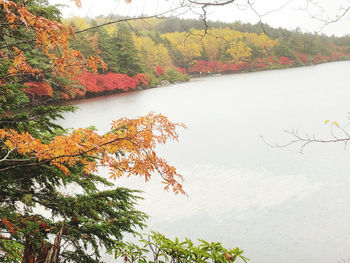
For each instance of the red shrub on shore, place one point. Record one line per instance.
(285, 61)
(159, 71)
(229, 67)
(181, 70)
(65, 96)
(141, 79)
(260, 63)
(96, 83)
(39, 89)
(317, 59)
(114, 81)
(89, 81)
(245, 66)
(303, 58)
(271, 60)
(201, 66)
(325, 58)
(219, 66)
(335, 56)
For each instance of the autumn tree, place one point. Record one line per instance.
(152, 54)
(239, 51)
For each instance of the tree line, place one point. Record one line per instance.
(145, 53)
(141, 54)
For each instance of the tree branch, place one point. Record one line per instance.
(129, 19)
(307, 139)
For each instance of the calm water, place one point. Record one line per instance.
(276, 204)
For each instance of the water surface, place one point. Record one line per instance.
(275, 203)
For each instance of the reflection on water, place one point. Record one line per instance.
(278, 205)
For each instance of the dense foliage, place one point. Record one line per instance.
(158, 50)
(168, 49)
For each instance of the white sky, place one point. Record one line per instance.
(291, 16)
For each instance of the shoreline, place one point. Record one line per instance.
(191, 77)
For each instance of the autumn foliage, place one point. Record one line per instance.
(159, 71)
(38, 89)
(8, 225)
(261, 63)
(304, 58)
(285, 61)
(93, 83)
(51, 37)
(208, 67)
(202, 67)
(145, 58)
(141, 79)
(128, 149)
(96, 83)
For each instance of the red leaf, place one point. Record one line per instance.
(8, 224)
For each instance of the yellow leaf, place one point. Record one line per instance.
(336, 124)
(326, 121)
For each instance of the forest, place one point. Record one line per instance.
(147, 53)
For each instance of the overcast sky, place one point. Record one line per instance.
(295, 13)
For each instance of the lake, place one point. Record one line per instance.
(276, 204)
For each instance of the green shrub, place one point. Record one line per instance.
(172, 75)
(154, 81)
(158, 248)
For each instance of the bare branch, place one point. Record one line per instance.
(344, 12)
(321, 15)
(5, 158)
(276, 9)
(306, 139)
(208, 3)
(130, 19)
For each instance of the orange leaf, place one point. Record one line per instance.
(8, 224)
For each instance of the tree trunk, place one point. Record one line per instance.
(53, 255)
(43, 251)
(47, 253)
(29, 252)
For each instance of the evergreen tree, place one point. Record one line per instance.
(283, 50)
(119, 52)
(204, 55)
(175, 54)
(155, 36)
